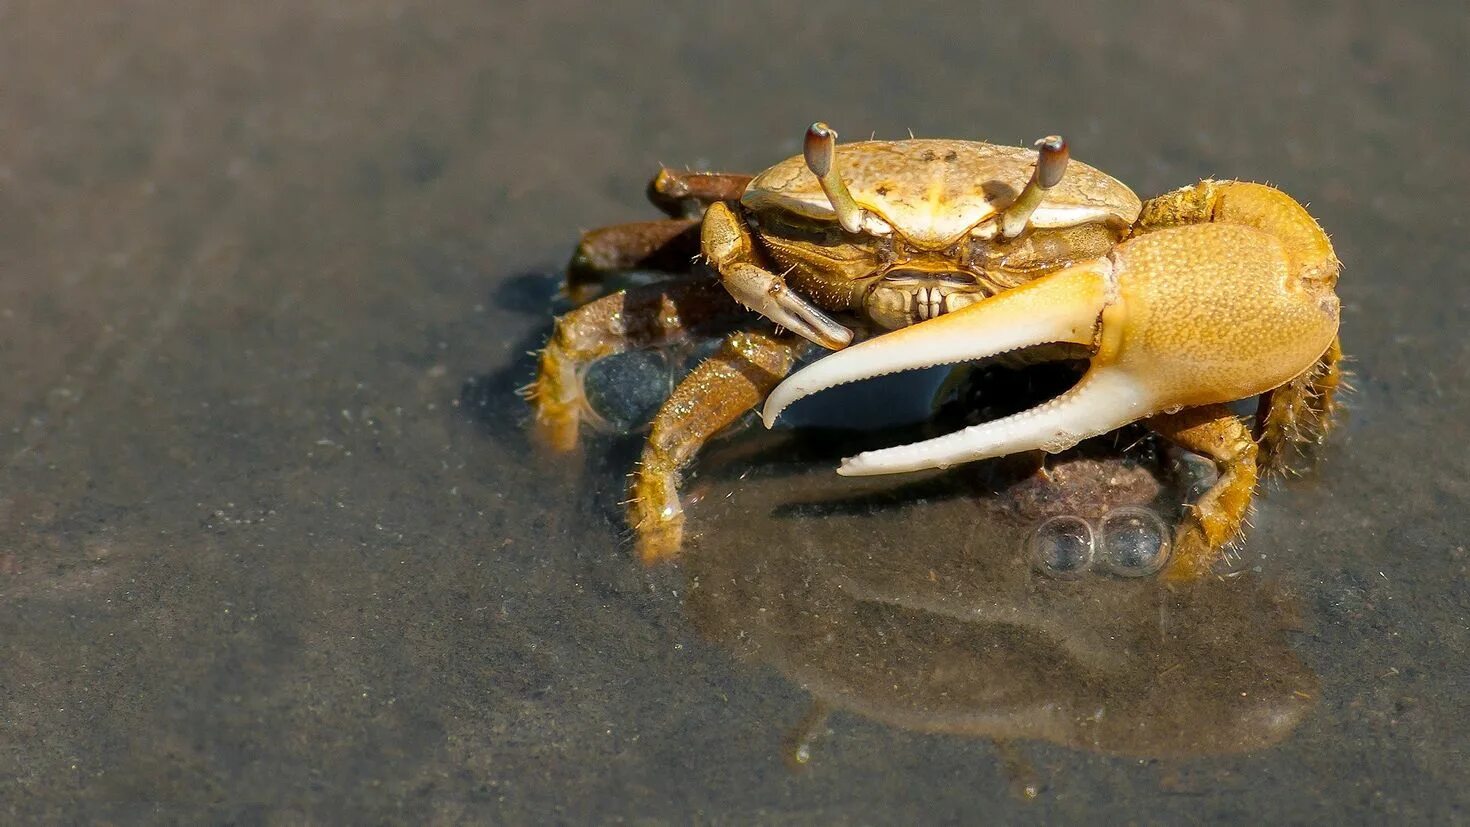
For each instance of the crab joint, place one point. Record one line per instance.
(1051, 162)
(820, 150)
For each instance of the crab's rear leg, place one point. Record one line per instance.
(688, 194)
(1217, 517)
(1298, 415)
(666, 245)
(639, 317)
(715, 394)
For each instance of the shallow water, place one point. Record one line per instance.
(274, 547)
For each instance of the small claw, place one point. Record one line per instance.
(1063, 307)
(769, 296)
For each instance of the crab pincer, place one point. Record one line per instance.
(1180, 316)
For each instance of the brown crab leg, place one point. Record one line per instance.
(715, 394)
(687, 194)
(1218, 516)
(630, 319)
(667, 245)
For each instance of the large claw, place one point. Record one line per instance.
(1176, 318)
(1065, 307)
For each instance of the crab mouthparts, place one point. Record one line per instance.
(1063, 307)
(929, 293)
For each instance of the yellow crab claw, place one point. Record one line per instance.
(1176, 318)
(1063, 307)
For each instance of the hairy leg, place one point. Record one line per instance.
(1218, 516)
(631, 319)
(1298, 415)
(688, 194)
(714, 395)
(667, 245)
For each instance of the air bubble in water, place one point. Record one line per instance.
(1134, 542)
(1061, 547)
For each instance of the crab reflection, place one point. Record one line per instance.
(919, 605)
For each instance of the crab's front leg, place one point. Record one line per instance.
(683, 194)
(726, 242)
(715, 394)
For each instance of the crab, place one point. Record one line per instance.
(899, 255)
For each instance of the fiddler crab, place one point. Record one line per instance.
(899, 255)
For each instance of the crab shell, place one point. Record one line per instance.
(933, 192)
(929, 226)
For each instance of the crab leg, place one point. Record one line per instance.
(668, 245)
(716, 393)
(688, 194)
(630, 319)
(1216, 518)
(1297, 416)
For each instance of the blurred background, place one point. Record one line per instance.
(273, 547)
